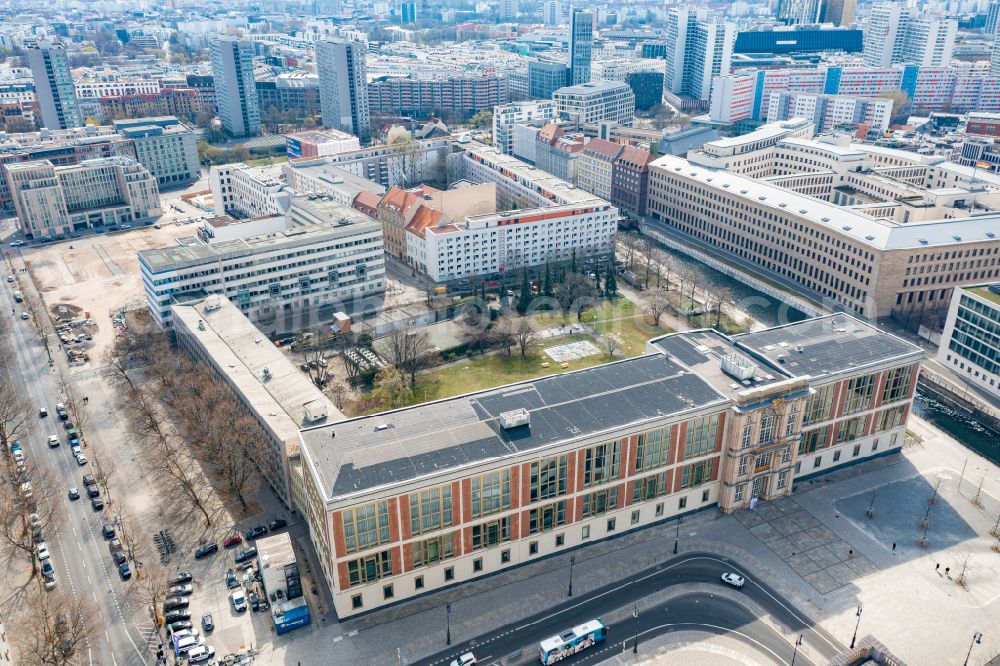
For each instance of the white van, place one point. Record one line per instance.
(186, 643)
(200, 653)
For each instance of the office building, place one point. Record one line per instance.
(702, 420)
(244, 191)
(310, 144)
(292, 95)
(326, 180)
(54, 201)
(557, 152)
(545, 78)
(167, 148)
(385, 165)
(897, 34)
(829, 111)
(596, 101)
(647, 88)
(508, 10)
(992, 18)
(594, 167)
(507, 116)
(983, 124)
(799, 39)
(235, 88)
(581, 44)
(407, 12)
(181, 102)
(54, 87)
(838, 12)
(630, 180)
(970, 344)
(552, 12)
(698, 49)
(343, 86)
(792, 12)
(264, 275)
(460, 95)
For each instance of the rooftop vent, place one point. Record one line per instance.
(782, 205)
(847, 227)
(213, 304)
(869, 237)
(738, 366)
(267, 375)
(957, 237)
(725, 184)
(825, 219)
(514, 418)
(201, 325)
(382, 426)
(990, 234)
(803, 211)
(314, 410)
(923, 241)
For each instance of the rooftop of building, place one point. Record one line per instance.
(989, 292)
(263, 375)
(832, 148)
(541, 180)
(361, 454)
(592, 87)
(879, 234)
(681, 141)
(320, 135)
(768, 132)
(275, 549)
(602, 147)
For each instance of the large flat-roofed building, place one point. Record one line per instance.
(461, 95)
(265, 276)
(166, 147)
(387, 166)
(309, 144)
(596, 101)
(269, 387)
(414, 500)
(244, 191)
(53, 201)
(830, 111)
(970, 344)
(507, 116)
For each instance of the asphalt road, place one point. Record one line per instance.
(79, 554)
(697, 610)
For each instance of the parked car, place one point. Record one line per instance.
(42, 551)
(207, 623)
(170, 617)
(124, 571)
(35, 520)
(88, 480)
(74, 493)
(239, 600)
(47, 569)
(81, 459)
(206, 550)
(61, 411)
(93, 491)
(231, 580)
(183, 625)
(180, 590)
(173, 603)
(733, 579)
(260, 530)
(97, 503)
(108, 531)
(254, 601)
(277, 524)
(231, 540)
(181, 577)
(467, 659)
(200, 654)
(245, 555)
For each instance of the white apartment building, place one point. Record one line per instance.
(698, 50)
(329, 254)
(388, 167)
(596, 101)
(898, 34)
(97, 88)
(53, 201)
(970, 344)
(829, 111)
(244, 191)
(507, 116)
(498, 242)
(321, 178)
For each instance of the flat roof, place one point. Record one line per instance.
(844, 222)
(567, 193)
(984, 291)
(763, 133)
(369, 452)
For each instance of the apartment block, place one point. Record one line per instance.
(898, 34)
(294, 94)
(343, 86)
(53, 84)
(166, 147)
(594, 168)
(829, 111)
(384, 165)
(330, 254)
(247, 192)
(499, 478)
(463, 95)
(630, 180)
(970, 344)
(596, 101)
(557, 152)
(235, 87)
(180, 102)
(53, 201)
(507, 116)
(698, 50)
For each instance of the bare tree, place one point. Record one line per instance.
(148, 588)
(610, 343)
(232, 462)
(14, 407)
(78, 414)
(61, 625)
(130, 533)
(407, 349)
(574, 293)
(525, 335)
(36, 313)
(646, 247)
(406, 151)
(657, 302)
(21, 514)
(504, 334)
(104, 471)
(627, 243)
(317, 365)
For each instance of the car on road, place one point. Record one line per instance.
(173, 603)
(260, 530)
(231, 580)
(245, 555)
(239, 600)
(467, 659)
(17, 243)
(124, 571)
(93, 491)
(10, 278)
(180, 590)
(42, 412)
(108, 531)
(207, 623)
(42, 550)
(53, 441)
(25, 315)
(180, 578)
(88, 480)
(733, 579)
(231, 540)
(170, 617)
(205, 550)
(277, 524)
(74, 493)
(183, 625)
(81, 459)
(97, 503)
(35, 520)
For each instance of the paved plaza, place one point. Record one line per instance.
(571, 351)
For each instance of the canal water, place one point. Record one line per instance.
(774, 313)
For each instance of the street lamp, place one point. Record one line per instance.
(448, 607)
(635, 644)
(798, 642)
(572, 563)
(976, 638)
(858, 624)
(677, 536)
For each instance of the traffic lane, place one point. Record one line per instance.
(689, 568)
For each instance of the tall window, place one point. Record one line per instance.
(819, 406)
(649, 487)
(548, 478)
(599, 502)
(366, 526)
(782, 479)
(897, 384)
(430, 510)
(701, 436)
(491, 533)
(859, 393)
(743, 465)
(851, 429)
(793, 414)
(747, 431)
(369, 568)
(890, 418)
(547, 517)
(431, 551)
(653, 450)
(696, 474)
(601, 463)
(767, 426)
(490, 493)
(813, 439)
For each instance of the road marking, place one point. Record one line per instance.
(90, 581)
(353, 633)
(95, 597)
(337, 639)
(108, 636)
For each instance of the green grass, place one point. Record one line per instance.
(267, 161)
(619, 316)
(983, 292)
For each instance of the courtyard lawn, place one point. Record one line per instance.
(618, 316)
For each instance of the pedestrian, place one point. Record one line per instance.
(894, 546)
(947, 570)
(937, 567)
(850, 554)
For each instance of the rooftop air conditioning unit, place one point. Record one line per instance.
(514, 418)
